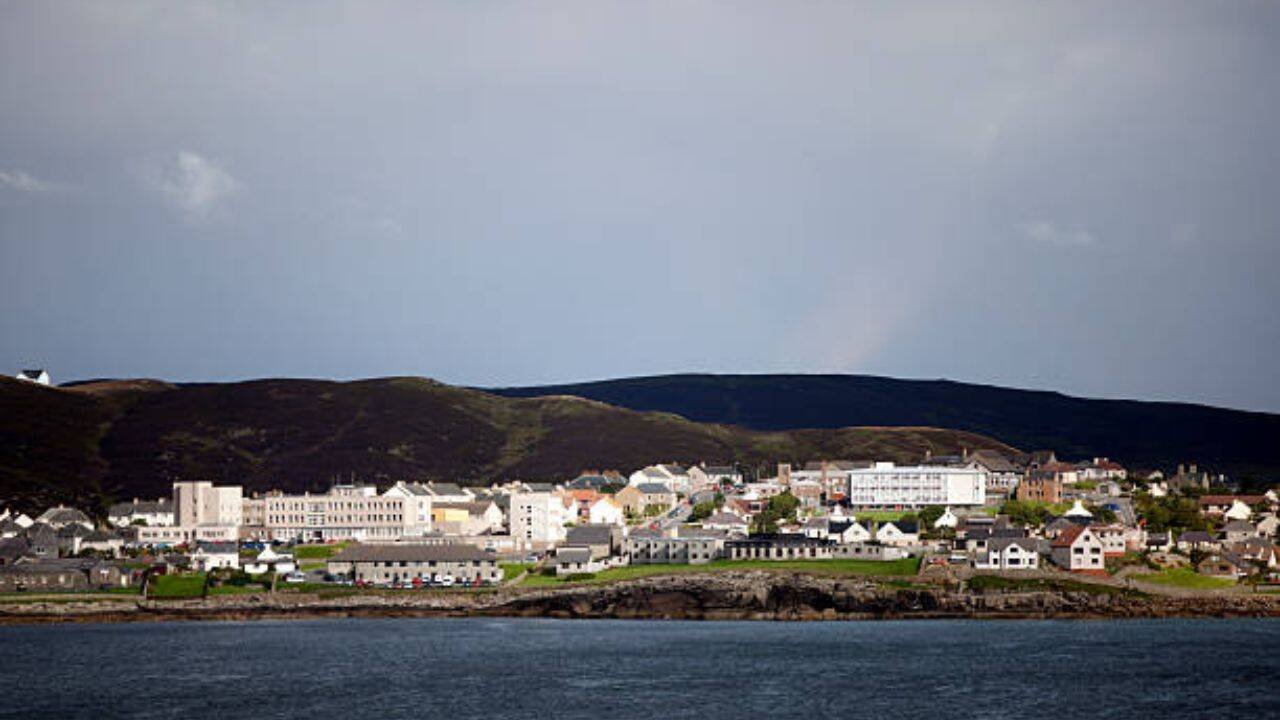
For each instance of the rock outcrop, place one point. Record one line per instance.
(754, 595)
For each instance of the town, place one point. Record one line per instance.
(975, 514)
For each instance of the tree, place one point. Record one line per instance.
(929, 515)
(780, 507)
(702, 511)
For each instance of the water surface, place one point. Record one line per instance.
(516, 668)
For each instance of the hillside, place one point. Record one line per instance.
(1148, 434)
(93, 442)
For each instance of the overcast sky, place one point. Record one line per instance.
(1075, 197)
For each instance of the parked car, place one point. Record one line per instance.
(295, 577)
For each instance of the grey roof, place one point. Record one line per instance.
(588, 482)
(992, 461)
(1028, 544)
(220, 548)
(654, 489)
(41, 533)
(1238, 526)
(1195, 536)
(446, 488)
(73, 530)
(590, 535)
(412, 553)
(472, 508)
(141, 506)
(725, 518)
(720, 470)
(544, 487)
(62, 515)
(568, 554)
(905, 526)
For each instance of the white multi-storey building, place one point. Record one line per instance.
(537, 519)
(889, 485)
(346, 512)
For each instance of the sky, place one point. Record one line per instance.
(1082, 197)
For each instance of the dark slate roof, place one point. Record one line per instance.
(653, 489)
(62, 515)
(1028, 544)
(725, 518)
(569, 554)
(446, 489)
(217, 547)
(412, 553)
(905, 526)
(992, 460)
(540, 487)
(73, 530)
(162, 505)
(41, 533)
(1195, 536)
(590, 535)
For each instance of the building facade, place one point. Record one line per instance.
(889, 485)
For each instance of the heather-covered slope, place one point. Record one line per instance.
(124, 439)
(1148, 434)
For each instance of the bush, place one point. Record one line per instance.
(580, 577)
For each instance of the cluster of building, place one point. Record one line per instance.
(415, 533)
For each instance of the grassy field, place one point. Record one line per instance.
(176, 586)
(996, 583)
(908, 566)
(1186, 578)
(510, 570)
(317, 552)
(881, 515)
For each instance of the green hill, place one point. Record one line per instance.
(93, 442)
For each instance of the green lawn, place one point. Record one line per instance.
(176, 586)
(908, 566)
(317, 552)
(510, 570)
(882, 515)
(1186, 578)
(985, 583)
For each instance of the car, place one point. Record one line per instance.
(446, 581)
(295, 577)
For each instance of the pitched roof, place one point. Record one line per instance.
(219, 548)
(992, 461)
(1228, 499)
(411, 553)
(569, 554)
(654, 489)
(725, 518)
(1069, 536)
(141, 506)
(997, 544)
(1195, 536)
(590, 535)
(62, 515)
(1238, 526)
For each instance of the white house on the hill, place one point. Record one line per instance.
(38, 376)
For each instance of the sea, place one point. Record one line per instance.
(457, 669)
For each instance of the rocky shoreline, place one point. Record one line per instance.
(725, 596)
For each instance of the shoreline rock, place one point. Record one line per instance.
(753, 595)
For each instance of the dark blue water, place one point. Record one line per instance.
(475, 668)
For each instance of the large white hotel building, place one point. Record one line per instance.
(889, 485)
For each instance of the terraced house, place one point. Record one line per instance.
(383, 564)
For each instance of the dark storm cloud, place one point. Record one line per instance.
(1070, 196)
